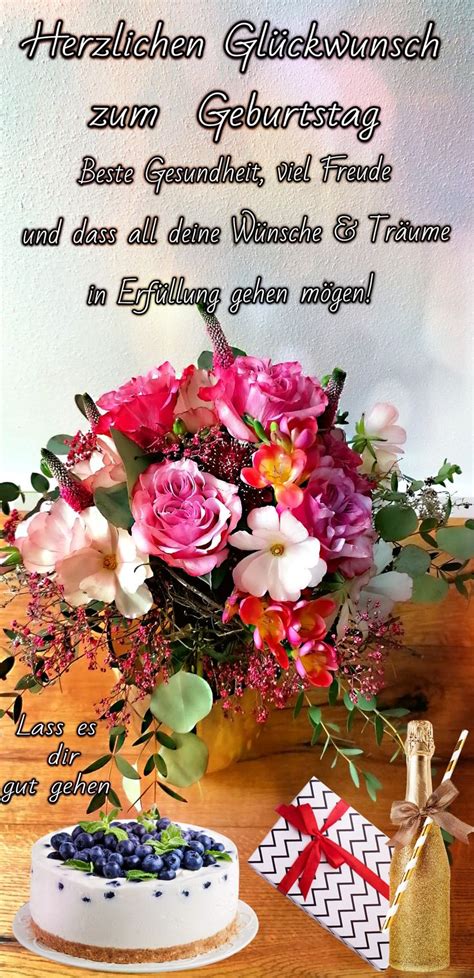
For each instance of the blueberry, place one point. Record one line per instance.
(217, 846)
(205, 840)
(126, 847)
(99, 862)
(98, 836)
(192, 860)
(96, 852)
(83, 841)
(209, 861)
(198, 846)
(77, 831)
(152, 864)
(109, 895)
(109, 841)
(146, 835)
(58, 839)
(131, 862)
(86, 899)
(172, 860)
(117, 825)
(67, 850)
(167, 874)
(139, 830)
(112, 870)
(54, 855)
(84, 854)
(163, 823)
(142, 851)
(116, 857)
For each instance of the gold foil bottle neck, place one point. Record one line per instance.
(419, 738)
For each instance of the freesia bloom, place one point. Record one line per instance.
(308, 620)
(286, 560)
(193, 411)
(279, 468)
(48, 536)
(143, 408)
(386, 439)
(265, 391)
(314, 661)
(109, 568)
(271, 621)
(184, 515)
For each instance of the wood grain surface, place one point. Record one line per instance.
(438, 680)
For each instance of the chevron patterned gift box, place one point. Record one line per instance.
(334, 864)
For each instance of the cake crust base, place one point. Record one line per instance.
(134, 955)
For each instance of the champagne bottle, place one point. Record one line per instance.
(419, 934)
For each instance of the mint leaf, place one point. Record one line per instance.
(171, 838)
(119, 834)
(221, 856)
(80, 864)
(138, 874)
(91, 826)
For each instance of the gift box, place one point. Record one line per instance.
(334, 864)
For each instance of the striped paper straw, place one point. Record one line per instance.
(410, 866)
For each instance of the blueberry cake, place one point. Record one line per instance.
(144, 890)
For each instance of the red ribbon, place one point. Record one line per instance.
(305, 866)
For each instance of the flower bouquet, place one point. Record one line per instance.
(218, 532)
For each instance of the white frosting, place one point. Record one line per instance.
(134, 917)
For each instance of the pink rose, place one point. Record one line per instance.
(193, 411)
(184, 515)
(266, 391)
(340, 517)
(143, 408)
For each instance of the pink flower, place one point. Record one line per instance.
(339, 517)
(286, 558)
(385, 437)
(104, 468)
(313, 662)
(275, 466)
(48, 536)
(193, 411)
(143, 408)
(308, 620)
(184, 515)
(265, 391)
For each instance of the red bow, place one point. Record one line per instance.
(305, 866)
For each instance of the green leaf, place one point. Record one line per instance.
(165, 740)
(139, 874)
(114, 504)
(298, 704)
(314, 714)
(126, 768)
(349, 705)
(316, 734)
(92, 826)
(119, 833)
(205, 360)
(143, 739)
(366, 705)
(117, 738)
(39, 483)
(469, 524)
(9, 491)
(114, 798)
(351, 751)
(160, 763)
(59, 444)
(456, 540)
(379, 730)
(396, 711)
(6, 665)
(86, 867)
(182, 702)
(188, 763)
(171, 838)
(333, 692)
(395, 522)
(223, 857)
(461, 587)
(97, 800)
(169, 791)
(354, 774)
(428, 589)
(413, 561)
(370, 786)
(133, 458)
(96, 765)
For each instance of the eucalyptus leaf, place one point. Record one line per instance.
(457, 541)
(39, 482)
(59, 444)
(429, 589)
(182, 702)
(395, 522)
(354, 774)
(114, 504)
(9, 491)
(413, 561)
(188, 763)
(126, 769)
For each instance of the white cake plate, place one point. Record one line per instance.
(247, 927)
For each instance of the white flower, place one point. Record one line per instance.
(375, 590)
(50, 535)
(286, 559)
(104, 468)
(109, 569)
(385, 438)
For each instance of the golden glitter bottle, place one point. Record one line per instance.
(419, 934)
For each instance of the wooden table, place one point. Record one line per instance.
(241, 802)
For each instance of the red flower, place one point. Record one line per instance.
(143, 408)
(313, 662)
(308, 620)
(271, 622)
